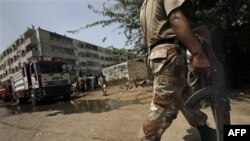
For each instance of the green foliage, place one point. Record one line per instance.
(224, 15)
(221, 15)
(231, 17)
(127, 53)
(126, 14)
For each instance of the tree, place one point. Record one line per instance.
(123, 52)
(126, 14)
(231, 18)
(223, 14)
(220, 15)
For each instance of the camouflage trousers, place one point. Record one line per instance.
(168, 64)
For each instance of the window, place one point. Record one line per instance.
(62, 50)
(23, 71)
(60, 38)
(95, 47)
(32, 70)
(48, 68)
(80, 45)
(16, 69)
(15, 58)
(23, 53)
(83, 64)
(21, 40)
(11, 60)
(81, 54)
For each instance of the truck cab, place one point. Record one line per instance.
(42, 79)
(49, 79)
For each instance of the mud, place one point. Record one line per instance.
(93, 117)
(71, 107)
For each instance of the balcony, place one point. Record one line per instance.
(29, 42)
(33, 53)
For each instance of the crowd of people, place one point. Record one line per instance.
(90, 83)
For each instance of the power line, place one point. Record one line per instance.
(7, 38)
(15, 27)
(11, 19)
(10, 28)
(9, 32)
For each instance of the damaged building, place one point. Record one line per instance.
(80, 56)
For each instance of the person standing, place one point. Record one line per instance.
(80, 82)
(103, 84)
(92, 83)
(164, 22)
(88, 85)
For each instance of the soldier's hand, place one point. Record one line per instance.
(201, 64)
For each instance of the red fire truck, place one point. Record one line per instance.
(41, 79)
(5, 91)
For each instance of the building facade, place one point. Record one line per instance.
(80, 56)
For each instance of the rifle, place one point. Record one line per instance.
(219, 100)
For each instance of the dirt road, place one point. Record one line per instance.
(93, 117)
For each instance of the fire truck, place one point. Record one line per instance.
(41, 79)
(5, 91)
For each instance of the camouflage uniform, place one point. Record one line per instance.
(168, 63)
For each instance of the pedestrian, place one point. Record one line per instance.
(80, 82)
(83, 83)
(74, 87)
(102, 83)
(96, 76)
(164, 22)
(92, 83)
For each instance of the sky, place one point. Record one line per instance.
(57, 16)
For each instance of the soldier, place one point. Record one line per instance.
(163, 22)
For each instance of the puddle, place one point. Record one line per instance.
(71, 107)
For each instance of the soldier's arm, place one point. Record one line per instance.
(183, 31)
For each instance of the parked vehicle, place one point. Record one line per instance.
(41, 79)
(5, 91)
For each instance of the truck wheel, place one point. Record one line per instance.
(21, 100)
(5, 99)
(34, 100)
(66, 97)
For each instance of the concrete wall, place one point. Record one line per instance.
(134, 69)
(138, 69)
(116, 71)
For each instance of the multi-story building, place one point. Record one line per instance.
(80, 56)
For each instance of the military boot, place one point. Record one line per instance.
(207, 133)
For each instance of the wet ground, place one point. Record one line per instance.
(93, 117)
(61, 107)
